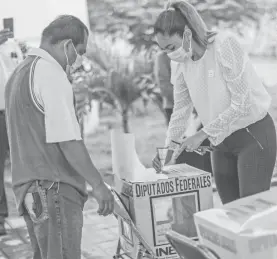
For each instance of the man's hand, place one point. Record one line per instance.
(4, 35)
(191, 143)
(105, 199)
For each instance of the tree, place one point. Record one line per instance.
(134, 19)
(116, 80)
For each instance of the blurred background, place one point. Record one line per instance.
(116, 87)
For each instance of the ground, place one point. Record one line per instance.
(99, 241)
(100, 234)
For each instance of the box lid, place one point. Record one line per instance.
(247, 215)
(182, 170)
(171, 171)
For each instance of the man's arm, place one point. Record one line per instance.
(61, 125)
(62, 128)
(78, 157)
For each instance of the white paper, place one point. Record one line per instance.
(91, 120)
(125, 161)
(162, 152)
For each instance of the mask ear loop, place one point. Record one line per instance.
(183, 40)
(75, 50)
(67, 60)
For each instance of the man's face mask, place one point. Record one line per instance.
(180, 54)
(76, 64)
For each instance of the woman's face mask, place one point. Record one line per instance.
(180, 54)
(76, 64)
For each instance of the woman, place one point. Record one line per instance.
(163, 78)
(217, 78)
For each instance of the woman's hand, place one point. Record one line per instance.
(156, 163)
(191, 143)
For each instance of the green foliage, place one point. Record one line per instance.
(125, 19)
(133, 20)
(117, 79)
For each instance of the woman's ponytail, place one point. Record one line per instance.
(196, 24)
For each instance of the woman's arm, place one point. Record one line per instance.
(233, 61)
(181, 111)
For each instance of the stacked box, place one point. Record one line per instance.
(246, 228)
(158, 206)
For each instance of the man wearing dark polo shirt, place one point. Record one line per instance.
(50, 163)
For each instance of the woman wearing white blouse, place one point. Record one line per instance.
(216, 77)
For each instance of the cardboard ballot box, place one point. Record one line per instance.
(246, 228)
(156, 206)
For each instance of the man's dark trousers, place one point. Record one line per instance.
(4, 147)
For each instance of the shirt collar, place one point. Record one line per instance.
(43, 54)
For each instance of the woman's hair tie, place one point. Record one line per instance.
(167, 5)
(170, 9)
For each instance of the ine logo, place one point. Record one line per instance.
(165, 251)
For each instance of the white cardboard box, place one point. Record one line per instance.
(155, 206)
(246, 228)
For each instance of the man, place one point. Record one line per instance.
(50, 162)
(6, 67)
(162, 70)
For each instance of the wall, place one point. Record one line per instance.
(32, 16)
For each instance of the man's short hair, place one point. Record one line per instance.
(63, 28)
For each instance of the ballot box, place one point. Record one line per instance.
(157, 206)
(245, 228)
